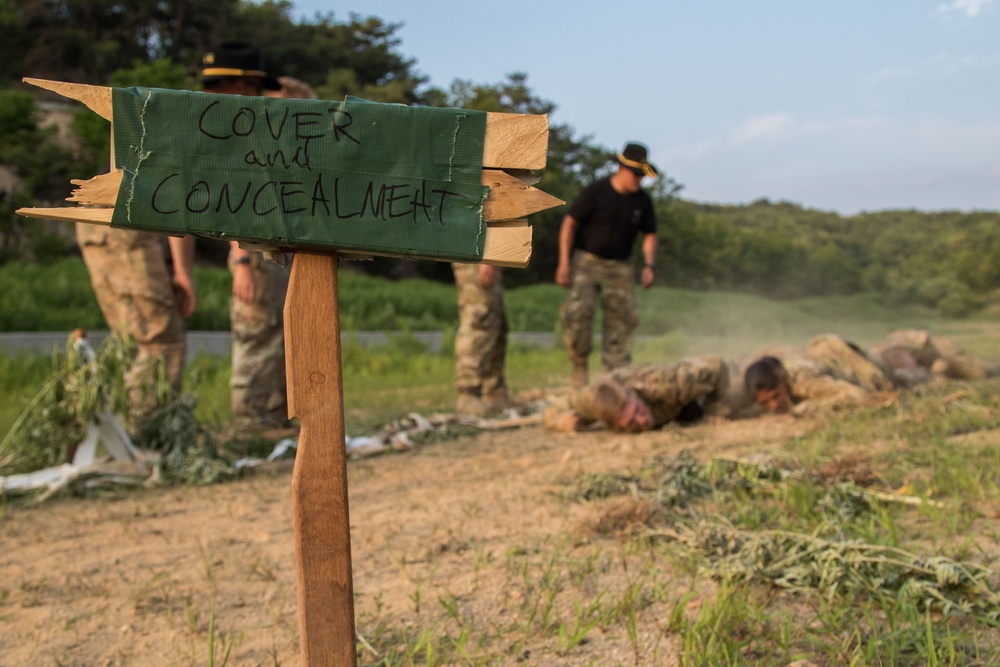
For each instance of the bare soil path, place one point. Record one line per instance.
(138, 579)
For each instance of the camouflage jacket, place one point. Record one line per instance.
(915, 355)
(833, 373)
(666, 388)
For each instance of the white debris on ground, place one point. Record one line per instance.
(124, 464)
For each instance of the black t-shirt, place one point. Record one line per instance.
(607, 222)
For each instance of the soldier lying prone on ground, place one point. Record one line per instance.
(643, 398)
(834, 373)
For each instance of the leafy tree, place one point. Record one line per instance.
(95, 132)
(38, 168)
(357, 57)
(87, 41)
(571, 162)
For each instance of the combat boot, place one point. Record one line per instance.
(579, 375)
(469, 405)
(496, 403)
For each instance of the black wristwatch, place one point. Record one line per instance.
(245, 259)
(651, 267)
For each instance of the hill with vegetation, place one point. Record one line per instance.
(947, 260)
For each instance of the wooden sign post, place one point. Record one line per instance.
(324, 180)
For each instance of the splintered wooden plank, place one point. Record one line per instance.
(96, 98)
(508, 244)
(511, 198)
(516, 141)
(319, 479)
(100, 190)
(97, 216)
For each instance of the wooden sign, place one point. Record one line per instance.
(355, 176)
(320, 178)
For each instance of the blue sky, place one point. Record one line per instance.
(845, 106)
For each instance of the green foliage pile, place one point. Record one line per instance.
(189, 452)
(715, 513)
(55, 420)
(74, 390)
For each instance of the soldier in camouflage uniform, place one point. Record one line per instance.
(831, 373)
(914, 356)
(611, 281)
(595, 245)
(256, 310)
(259, 396)
(481, 340)
(646, 397)
(143, 296)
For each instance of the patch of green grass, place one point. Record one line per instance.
(208, 377)
(20, 378)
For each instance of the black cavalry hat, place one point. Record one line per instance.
(236, 59)
(635, 158)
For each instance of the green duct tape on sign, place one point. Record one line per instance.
(352, 175)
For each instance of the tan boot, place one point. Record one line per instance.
(469, 405)
(579, 376)
(496, 402)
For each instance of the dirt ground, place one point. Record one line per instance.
(138, 579)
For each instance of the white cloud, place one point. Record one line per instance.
(938, 67)
(781, 126)
(773, 125)
(888, 73)
(967, 8)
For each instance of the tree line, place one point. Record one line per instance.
(947, 260)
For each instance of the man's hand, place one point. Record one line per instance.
(567, 233)
(647, 276)
(650, 243)
(244, 288)
(488, 275)
(563, 275)
(184, 295)
(182, 280)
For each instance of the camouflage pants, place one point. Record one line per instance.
(669, 388)
(481, 340)
(134, 290)
(940, 356)
(258, 385)
(849, 362)
(612, 282)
